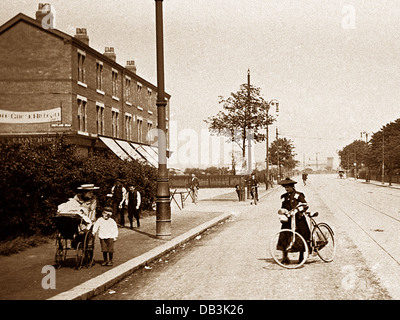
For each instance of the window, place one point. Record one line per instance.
(128, 89)
(139, 92)
(99, 76)
(100, 118)
(114, 83)
(82, 114)
(149, 98)
(81, 66)
(149, 133)
(140, 129)
(128, 126)
(115, 118)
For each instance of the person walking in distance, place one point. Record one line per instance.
(119, 195)
(194, 187)
(134, 202)
(304, 177)
(254, 188)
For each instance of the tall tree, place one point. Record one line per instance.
(385, 145)
(243, 114)
(282, 152)
(353, 154)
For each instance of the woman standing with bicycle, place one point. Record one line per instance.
(296, 201)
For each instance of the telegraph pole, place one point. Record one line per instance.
(278, 150)
(250, 164)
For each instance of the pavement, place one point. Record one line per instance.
(380, 184)
(29, 275)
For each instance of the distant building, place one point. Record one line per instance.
(316, 165)
(53, 83)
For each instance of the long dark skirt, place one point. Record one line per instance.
(286, 237)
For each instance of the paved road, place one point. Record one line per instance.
(231, 261)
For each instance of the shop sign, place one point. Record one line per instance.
(42, 116)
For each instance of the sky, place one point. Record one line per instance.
(332, 65)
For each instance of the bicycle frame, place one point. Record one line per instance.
(293, 230)
(313, 225)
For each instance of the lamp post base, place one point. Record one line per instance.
(163, 219)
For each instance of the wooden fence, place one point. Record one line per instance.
(211, 181)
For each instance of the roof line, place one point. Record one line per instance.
(66, 37)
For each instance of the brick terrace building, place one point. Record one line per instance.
(53, 83)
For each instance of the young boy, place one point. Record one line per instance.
(108, 232)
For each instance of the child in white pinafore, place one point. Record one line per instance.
(107, 230)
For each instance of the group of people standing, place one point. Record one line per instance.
(119, 201)
(125, 200)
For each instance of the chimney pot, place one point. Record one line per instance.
(81, 34)
(130, 65)
(109, 52)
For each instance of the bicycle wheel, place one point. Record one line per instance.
(324, 242)
(285, 248)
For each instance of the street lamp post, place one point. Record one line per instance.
(383, 156)
(278, 150)
(367, 166)
(163, 202)
(249, 136)
(268, 104)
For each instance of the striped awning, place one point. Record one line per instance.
(128, 150)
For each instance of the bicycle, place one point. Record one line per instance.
(254, 194)
(321, 241)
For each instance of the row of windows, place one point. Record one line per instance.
(115, 122)
(128, 88)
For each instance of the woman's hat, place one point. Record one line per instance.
(287, 181)
(88, 187)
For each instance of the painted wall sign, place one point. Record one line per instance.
(42, 116)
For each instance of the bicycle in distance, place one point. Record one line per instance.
(254, 195)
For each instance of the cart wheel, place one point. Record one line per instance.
(89, 249)
(79, 255)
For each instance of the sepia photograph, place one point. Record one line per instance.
(200, 158)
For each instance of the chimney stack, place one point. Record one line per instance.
(109, 53)
(81, 34)
(130, 65)
(45, 16)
